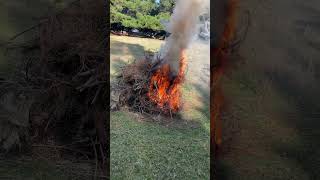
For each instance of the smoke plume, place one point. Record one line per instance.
(182, 28)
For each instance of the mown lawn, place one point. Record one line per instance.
(126, 49)
(39, 169)
(141, 149)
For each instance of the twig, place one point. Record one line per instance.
(102, 154)
(82, 88)
(242, 38)
(96, 95)
(21, 33)
(87, 72)
(46, 128)
(156, 85)
(37, 25)
(96, 158)
(90, 80)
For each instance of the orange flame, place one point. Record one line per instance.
(165, 93)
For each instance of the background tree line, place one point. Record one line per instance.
(145, 15)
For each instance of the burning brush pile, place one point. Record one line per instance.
(147, 87)
(55, 98)
(153, 86)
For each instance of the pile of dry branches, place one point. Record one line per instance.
(130, 89)
(62, 79)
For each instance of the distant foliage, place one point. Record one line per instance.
(140, 14)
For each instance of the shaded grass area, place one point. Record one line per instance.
(21, 168)
(30, 170)
(274, 98)
(144, 149)
(269, 133)
(125, 49)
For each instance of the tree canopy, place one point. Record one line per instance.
(140, 14)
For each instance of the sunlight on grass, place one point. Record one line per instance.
(148, 150)
(127, 49)
(195, 108)
(143, 150)
(149, 44)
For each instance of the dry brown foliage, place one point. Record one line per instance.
(63, 76)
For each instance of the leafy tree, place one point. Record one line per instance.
(166, 6)
(140, 14)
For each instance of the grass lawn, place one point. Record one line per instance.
(126, 49)
(141, 149)
(272, 125)
(266, 134)
(15, 169)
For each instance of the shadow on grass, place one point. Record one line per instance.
(306, 120)
(301, 92)
(300, 85)
(124, 50)
(167, 148)
(204, 94)
(121, 48)
(298, 88)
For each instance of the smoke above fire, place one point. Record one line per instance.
(183, 26)
(166, 81)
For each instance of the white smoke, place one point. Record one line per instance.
(183, 26)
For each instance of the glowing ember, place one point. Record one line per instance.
(163, 90)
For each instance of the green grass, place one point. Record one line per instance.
(126, 49)
(141, 149)
(38, 168)
(31, 170)
(144, 150)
